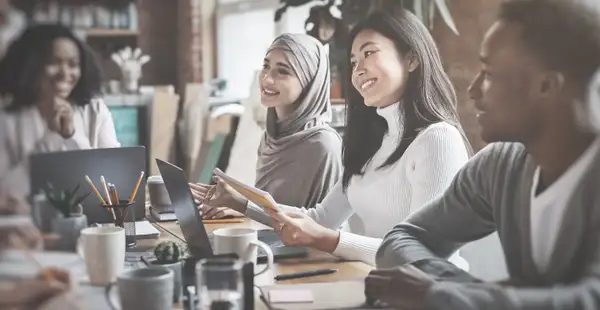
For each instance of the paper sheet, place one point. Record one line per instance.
(259, 197)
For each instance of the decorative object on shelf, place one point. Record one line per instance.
(217, 87)
(70, 219)
(170, 254)
(324, 21)
(354, 10)
(130, 62)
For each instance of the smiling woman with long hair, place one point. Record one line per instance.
(402, 147)
(50, 84)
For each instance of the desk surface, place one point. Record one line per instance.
(347, 271)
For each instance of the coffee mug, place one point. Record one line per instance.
(243, 242)
(146, 288)
(159, 197)
(103, 250)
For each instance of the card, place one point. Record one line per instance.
(290, 296)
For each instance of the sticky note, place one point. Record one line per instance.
(290, 296)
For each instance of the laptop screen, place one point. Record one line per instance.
(185, 209)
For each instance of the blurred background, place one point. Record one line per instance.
(195, 101)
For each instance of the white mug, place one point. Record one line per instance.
(103, 250)
(243, 242)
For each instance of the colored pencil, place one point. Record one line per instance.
(103, 180)
(223, 221)
(137, 186)
(87, 179)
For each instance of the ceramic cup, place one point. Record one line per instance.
(243, 242)
(103, 250)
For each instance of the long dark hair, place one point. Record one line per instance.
(26, 57)
(428, 98)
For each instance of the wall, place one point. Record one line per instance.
(158, 38)
(461, 53)
(461, 59)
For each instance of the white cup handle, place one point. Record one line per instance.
(80, 251)
(267, 249)
(110, 299)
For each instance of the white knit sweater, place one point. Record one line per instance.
(381, 198)
(25, 132)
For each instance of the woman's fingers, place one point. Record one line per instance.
(202, 188)
(212, 213)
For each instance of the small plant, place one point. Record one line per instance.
(65, 201)
(169, 252)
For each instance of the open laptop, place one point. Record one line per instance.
(120, 166)
(190, 221)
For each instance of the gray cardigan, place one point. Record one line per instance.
(492, 193)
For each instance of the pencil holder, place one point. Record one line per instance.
(124, 216)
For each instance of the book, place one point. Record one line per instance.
(257, 196)
(161, 216)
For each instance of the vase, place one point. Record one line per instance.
(68, 229)
(176, 267)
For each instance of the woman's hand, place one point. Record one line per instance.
(26, 233)
(59, 117)
(209, 212)
(34, 292)
(298, 229)
(218, 196)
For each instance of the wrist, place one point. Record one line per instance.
(327, 241)
(241, 204)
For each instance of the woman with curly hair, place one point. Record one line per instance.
(49, 83)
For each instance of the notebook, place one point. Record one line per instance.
(143, 229)
(257, 196)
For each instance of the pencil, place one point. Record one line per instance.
(223, 221)
(87, 178)
(115, 194)
(137, 186)
(103, 180)
(112, 211)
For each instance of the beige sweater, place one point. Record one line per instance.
(25, 132)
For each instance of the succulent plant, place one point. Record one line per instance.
(168, 252)
(67, 202)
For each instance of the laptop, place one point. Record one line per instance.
(120, 166)
(190, 221)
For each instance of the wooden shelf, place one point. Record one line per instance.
(100, 32)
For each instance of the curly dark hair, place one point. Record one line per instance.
(25, 60)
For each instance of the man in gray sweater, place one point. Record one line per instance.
(538, 186)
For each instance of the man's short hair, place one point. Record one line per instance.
(564, 34)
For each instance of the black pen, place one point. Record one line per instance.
(304, 274)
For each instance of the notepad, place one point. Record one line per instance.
(290, 296)
(143, 229)
(257, 196)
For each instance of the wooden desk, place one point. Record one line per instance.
(315, 260)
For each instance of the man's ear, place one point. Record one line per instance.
(551, 84)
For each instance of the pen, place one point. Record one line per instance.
(304, 274)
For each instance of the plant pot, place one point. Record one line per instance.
(176, 267)
(69, 230)
(46, 214)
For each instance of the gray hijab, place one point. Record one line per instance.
(299, 157)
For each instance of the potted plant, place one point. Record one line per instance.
(70, 219)
(170, 254)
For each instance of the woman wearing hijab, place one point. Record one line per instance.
(299, 157)
(402, 146)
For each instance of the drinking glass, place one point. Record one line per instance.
(220, 284)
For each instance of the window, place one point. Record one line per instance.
(245, 30)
